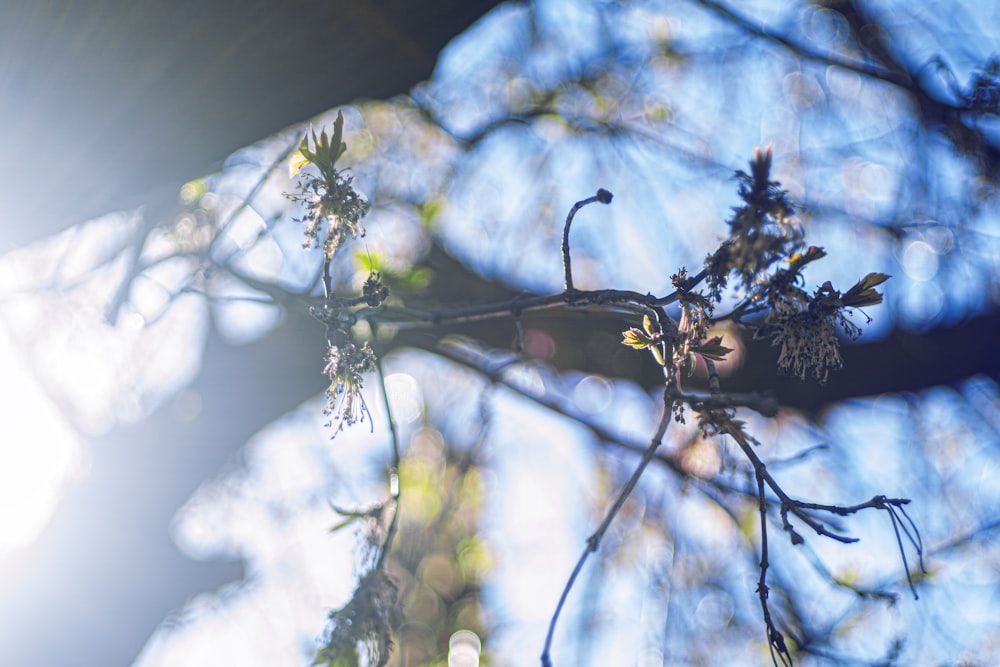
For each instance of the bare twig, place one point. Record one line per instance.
(251, 195)
(594, 541)
(393, 470)
(409, 318)
(775, 639)
(914, 539)
(609, 298)
(602, 196)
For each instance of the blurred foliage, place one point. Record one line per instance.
(439, 558)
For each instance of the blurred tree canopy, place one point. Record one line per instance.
(120, 103)
(513, 429)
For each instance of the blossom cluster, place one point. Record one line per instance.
(331, 203)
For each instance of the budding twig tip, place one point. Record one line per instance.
(604, 196)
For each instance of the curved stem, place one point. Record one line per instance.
(602, 196)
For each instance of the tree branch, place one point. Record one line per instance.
(825, 58)
(594, 541)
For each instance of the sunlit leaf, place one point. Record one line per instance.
(412, 278)
(636, 338)
(297, 162)
(430, 211)
(658, 354)
(648, 325)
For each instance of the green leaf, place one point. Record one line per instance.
(430, 210)
(411, 278)
(337, 147)
(415, 278)
(325, 151)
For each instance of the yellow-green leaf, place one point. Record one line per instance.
(635, 338)
(647, 324)
(658, 354)
(297, 162)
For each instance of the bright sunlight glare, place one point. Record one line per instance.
(39, 457)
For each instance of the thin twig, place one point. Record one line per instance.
(899, 542)
(394, 490)
(250, 196)
(914, 538)
(602, 196)
(594, 541)
(494, 371)
(611, 298)
(775, 640)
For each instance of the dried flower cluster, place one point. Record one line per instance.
(332, 206)
(762, 231)
(804, 326)
(346, 364)
(367, 620)
(762, 234)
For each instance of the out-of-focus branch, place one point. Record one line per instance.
(394, 491)
(805, 51)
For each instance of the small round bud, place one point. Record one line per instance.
(604, 196)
